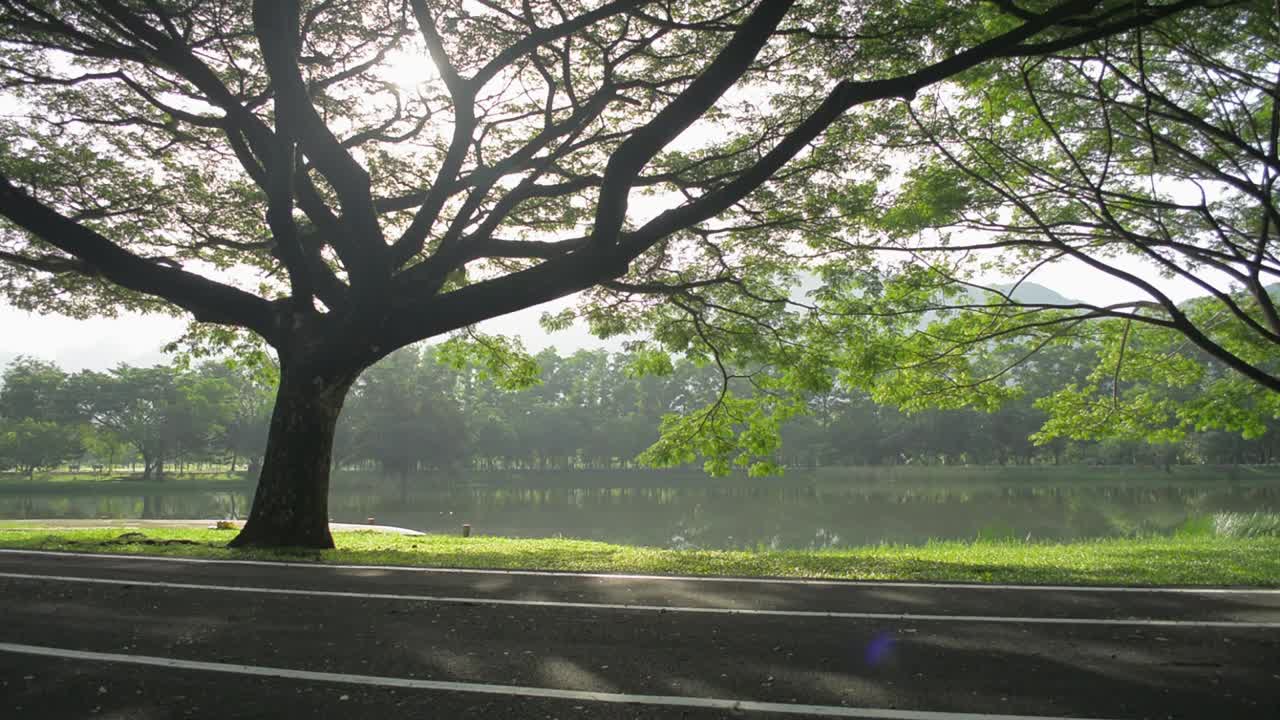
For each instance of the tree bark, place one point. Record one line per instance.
(291, 504)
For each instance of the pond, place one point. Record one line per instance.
(719, 515)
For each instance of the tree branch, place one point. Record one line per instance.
(699, 96)
(207, 300)
(846, 95)
(362, 249)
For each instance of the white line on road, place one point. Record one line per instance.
(512, 690)
(665, 578)
(903, 617)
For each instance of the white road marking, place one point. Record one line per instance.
(516, 690)
(831, 614)
(668, 578)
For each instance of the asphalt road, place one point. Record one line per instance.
(147, 638)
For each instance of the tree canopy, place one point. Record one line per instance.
(345, 178)
(1149, 159)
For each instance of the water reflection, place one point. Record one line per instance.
(775, 517)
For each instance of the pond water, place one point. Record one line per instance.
(725, 516)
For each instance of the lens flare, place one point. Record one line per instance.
(879, 648)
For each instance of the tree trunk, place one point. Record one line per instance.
(291, 504)
(404, 487)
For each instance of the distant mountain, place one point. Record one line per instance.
(1030, 292)
(1027, 292)
(1033, 293)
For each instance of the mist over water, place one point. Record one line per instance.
(779, 514)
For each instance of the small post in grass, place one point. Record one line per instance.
(466, 529)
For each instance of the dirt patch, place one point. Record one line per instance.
(134, 538)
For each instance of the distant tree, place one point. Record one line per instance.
(33, 389)
(160, 411)
(1222, 448)
(38, 418)
(105, 445)
(33, 444)
(401, 418)
(243, 418)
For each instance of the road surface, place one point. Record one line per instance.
(119, 637)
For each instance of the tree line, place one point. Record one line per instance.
(421, 410)
(153, 418)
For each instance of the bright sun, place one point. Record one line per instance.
(409, 68)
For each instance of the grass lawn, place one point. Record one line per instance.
(1202, 560)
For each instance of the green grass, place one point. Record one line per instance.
(1182, 560)
(1246, 525)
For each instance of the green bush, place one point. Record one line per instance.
(1198, 526)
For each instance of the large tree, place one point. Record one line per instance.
(345, 178)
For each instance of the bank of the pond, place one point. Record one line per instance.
(878, 476)
(1217, 561)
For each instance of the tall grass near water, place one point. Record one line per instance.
(1246, 525)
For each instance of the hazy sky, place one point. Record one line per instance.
(103, 343)
(135, 339)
